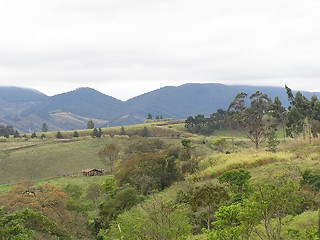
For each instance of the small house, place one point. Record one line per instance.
(92, 172)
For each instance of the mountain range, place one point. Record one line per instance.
(27, 109)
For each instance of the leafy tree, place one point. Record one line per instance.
(299, 116)
(236, 221)
(33, 135)
(111, 206)
(315, 116)
(290, 95)
(122, 131)
(16, 134)
(261, 216)
(149, 171)
(51, 202)
(199, 124)
(75, 134)
(74, 190)
(126, 198)
(188, 163)
(253, 121)
(145, 132)
(96, 133)
(273, 141)
(311, 179)
(238, 182)
(219, 143)
(218, 119)
(303, 116)
(109, 186)
(93, 192)
(6, 131)
(280, 115)
(44, 127)
(149, 117)
(275, 202)
(186, 143)
(90, 124)
(27, 224)
(208, 197)
(109, 154)
(75, 201)
(156, 219)
(59, 135)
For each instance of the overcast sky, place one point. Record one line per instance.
(124, 48)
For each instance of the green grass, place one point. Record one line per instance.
(50, 160)
(82, 181)
(45, 159)
(33, 159)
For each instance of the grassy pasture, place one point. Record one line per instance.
(49, 160)
(34, 159)
(22, 159)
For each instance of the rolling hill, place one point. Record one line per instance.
(28, 109)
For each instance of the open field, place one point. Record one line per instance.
(35, 159)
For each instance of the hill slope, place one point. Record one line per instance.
(27, 109)
(191, 99)
(83, 102)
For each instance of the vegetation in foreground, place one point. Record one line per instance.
(162, 182)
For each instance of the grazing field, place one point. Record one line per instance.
(33, 159)
(50, 160)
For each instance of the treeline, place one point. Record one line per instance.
(257, 116)
(207, 125)
(7, 131)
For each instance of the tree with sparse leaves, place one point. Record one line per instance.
(254, 121)
(208, 198)
(109, 154)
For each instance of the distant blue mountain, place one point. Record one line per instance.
(28, 109)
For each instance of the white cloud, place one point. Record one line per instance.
(125, 48)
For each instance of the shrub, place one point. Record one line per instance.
(59, 135)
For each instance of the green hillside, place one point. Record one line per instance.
(158, 172)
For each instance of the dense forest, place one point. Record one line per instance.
(250, 171)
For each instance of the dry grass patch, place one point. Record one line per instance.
(216, 165)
